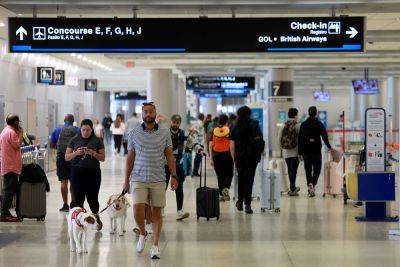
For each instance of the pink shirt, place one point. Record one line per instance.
(10, 151)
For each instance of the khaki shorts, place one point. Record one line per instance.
(152, 194)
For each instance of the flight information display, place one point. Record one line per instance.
(186, 35)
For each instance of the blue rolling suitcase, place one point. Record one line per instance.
(271, 191)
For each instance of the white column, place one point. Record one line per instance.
(363, 103)
(174, 98)
(210, 106)
(182, 109)
(159, 90)
(282, 78)
(353, 106)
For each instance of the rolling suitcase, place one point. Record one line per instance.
(333, 183)
(31, 201)
(207, 199)
(271, 191)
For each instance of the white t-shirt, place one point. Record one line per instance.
(118, 131)
(98, 129)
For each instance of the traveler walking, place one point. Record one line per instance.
(107, 121)
(310, 146)
(85, 151)
(221, 157)
(11, 164)
(149, 144)
(178, 142)
(59, 140)
(132, 122)
(288, 137)
(247, 145)
(199, 128)
(117, 129)
(98, 129)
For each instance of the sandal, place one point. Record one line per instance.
(99, 223)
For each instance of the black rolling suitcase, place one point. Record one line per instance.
(207, 199)
(31, 196)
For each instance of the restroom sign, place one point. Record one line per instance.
(375, 139)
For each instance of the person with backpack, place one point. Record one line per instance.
(310, 146)
(221, 158)
(59, 140)
(288, 137)
(247, 145)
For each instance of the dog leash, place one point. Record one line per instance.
(109, 205)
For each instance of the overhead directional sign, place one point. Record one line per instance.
(186, 35)
(219, 83)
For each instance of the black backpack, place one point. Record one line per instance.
(256, 143)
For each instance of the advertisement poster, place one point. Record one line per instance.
(323, 117)
(375, 121)
(257, 114)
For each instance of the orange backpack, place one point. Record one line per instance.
(220, 139)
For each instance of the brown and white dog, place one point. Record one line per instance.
(79, 221)
(118, 207)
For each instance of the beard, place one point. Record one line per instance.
(149, 119)
(175, 128)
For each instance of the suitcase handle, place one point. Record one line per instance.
(205, 169)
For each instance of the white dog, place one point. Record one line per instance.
(117, 210)
(79, 221)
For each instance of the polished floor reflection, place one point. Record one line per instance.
(307, 232)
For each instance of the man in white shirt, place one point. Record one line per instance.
(132, 122)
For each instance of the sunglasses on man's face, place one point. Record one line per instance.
(148, 104)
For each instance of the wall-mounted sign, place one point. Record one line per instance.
(91, 85)
(45, 75)
(186, 35)
(59, 77)
(375, 139)
(220, 82)
(129, 96)
(323, 117)
(279, 89)
(258, 115)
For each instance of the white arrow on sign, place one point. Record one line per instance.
(353, 32)
(21, 32)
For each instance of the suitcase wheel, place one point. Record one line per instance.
(323, 195)
(198, 217)
(334, 195)
(208, 219)
(217, 218)
(262, 209)
(345, 201)
(41, 218)
(277, 210)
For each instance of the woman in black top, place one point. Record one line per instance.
(246, 146)
(85, 151)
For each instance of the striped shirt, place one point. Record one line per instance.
(149, 147)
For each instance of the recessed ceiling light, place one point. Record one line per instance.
(90, 61)
(79, 56)
(19, 14)
(73, 55)
(2, 24)
(84, 59)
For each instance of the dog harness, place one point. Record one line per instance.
(74, 216)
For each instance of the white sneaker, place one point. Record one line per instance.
(141, 243)
(155, 253)
(182, 215)
(149, 228)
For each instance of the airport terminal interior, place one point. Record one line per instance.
(109, 61)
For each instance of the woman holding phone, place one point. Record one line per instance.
(85, 151)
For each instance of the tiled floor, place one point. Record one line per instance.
(307, 232)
